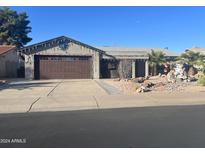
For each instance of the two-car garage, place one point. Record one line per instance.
(62, 67)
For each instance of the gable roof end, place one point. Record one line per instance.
(52, 42)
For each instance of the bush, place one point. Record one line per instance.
(201, 80)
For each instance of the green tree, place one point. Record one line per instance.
(193, 58)
(156, 58)
(14, 28)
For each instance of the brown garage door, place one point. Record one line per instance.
(63, 67)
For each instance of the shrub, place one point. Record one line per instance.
(201, 80)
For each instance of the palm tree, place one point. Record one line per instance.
(193, 58)
(156, 58)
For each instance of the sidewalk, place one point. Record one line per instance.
(68, 103)
(117, 101)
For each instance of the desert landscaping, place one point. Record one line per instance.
(155, 84)
(177, 79)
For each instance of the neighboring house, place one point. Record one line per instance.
(8, 61)
(66, 58)
(202, 52)
(197, 49)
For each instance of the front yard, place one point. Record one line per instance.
(155, 84)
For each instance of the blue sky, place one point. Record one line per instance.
(177, 28)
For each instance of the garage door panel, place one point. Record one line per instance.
(65, 67)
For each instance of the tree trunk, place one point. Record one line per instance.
(192, 71)
(155, 69)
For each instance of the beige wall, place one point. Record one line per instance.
(9, 64)
(73, 49)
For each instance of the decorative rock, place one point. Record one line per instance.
(142, 89)
(159, 84)
(147, 77)
(139, 90)
(148, 84)
(171, 77)
(141, 79)
(192, 71)
(2, 82)
(163, 76)
(117, 79)
(191, 79)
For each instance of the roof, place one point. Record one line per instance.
(51, 43)
(120, 51)
(197, 49)
(6, 48)
(166, 51)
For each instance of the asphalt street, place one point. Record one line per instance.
(170, 126)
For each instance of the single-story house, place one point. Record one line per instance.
(197, 49)
(66, 58)
(9, 61)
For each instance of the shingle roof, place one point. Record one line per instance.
(6, 48)
(119, 51)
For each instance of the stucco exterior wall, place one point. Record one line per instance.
(125, 68)
(96, 65)
(9, 64)
(29, 66)
(72, 50)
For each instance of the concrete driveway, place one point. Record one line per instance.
(18, 96)
(26, 96)
(62, 95)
